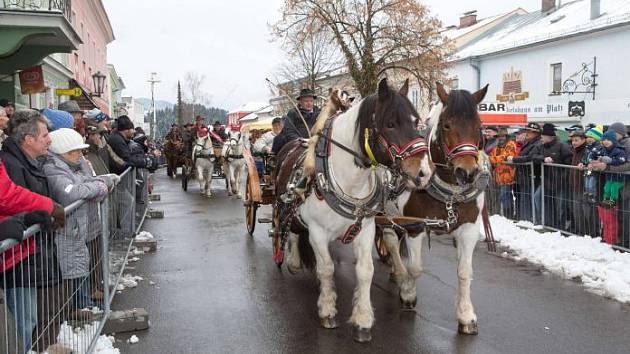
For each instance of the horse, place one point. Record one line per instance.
(342, 198)
(455, 196)
(173, 150)
(204, 158)
(234, 163)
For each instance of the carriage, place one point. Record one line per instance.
(259, 187)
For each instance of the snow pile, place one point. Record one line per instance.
(128, 281)
(601, 269)
(144, 236)
(133, 340)
(77, 340)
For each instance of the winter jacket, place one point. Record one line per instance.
(121, 148)
(95, 156)
(294, 127)
(503, 174)
(15, 199)
(625, 167)
(68, 184)
(527, 150)
(42, 269)
(614, 156)
(576, 178)
(266, 140)
(591, 152)
(558, 150)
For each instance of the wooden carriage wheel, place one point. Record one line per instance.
(250, 209)
(381, 249)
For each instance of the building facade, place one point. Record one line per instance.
(135, 111)
(536, 63)
(62, 42)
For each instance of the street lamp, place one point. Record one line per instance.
(99, 83)
(153, 80)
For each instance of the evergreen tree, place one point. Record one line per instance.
(180, 113)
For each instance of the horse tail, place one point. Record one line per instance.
(307, 255)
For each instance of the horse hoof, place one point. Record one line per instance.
(292, 270)
(469, 329)
(408, 305)
(329, 322)
(361, 335)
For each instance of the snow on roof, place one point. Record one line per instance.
(249, 107)
(254, 115)
(525, 29)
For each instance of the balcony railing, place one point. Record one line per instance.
(61, 6)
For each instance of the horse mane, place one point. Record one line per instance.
(461, 104)
(335, 102)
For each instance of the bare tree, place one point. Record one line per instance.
(193, 82)
(374, 37)
(309, 57)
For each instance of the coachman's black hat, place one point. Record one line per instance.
(307, 93)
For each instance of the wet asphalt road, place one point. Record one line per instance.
(217, 290)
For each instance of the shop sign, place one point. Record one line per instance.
(32, 80)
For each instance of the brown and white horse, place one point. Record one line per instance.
(381, 127)
(454, 195)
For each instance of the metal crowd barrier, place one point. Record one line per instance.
(58, 298)
(568, 199)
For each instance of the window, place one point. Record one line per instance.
(556, 77)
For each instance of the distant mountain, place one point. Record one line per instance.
(146, 102)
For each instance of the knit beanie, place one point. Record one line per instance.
(595, 133)
(65, 140)
(619, 128)
(610, 135)
(58, 119)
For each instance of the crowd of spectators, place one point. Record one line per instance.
(49, 159)
(591, 197)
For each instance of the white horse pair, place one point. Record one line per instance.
(232, 158)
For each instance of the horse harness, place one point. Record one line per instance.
(325, 188)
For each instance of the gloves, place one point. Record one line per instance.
(38, 217)
(59, 216)
(605, 159)
(12, 228)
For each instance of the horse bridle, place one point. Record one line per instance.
(397, 153)
(466, 148)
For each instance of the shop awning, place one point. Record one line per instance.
(503, 118)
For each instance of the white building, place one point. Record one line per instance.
(564, 64)
(135, 112)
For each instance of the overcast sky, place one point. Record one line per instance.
(228, 41)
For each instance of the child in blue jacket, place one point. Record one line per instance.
(613, 155)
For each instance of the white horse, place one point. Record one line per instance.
(235, 162)
(381, 126)
(455, 195)
(203, 155)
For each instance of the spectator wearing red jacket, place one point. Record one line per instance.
(27, 143)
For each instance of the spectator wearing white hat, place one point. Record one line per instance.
(70, 179)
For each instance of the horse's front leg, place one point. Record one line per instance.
(229, 181)
(237, 180)
(207, 180)
(467, 236)
(362, 317)
(325, 269)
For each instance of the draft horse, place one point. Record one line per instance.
(346, 192)
(174, 152)
(234, 163)
(454, 200)
(204, 159)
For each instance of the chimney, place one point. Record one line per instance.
(548, 6)
(468, 19)
(595, 9)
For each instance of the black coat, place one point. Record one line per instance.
(294, 126)
(121, 147)
(42, 268)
